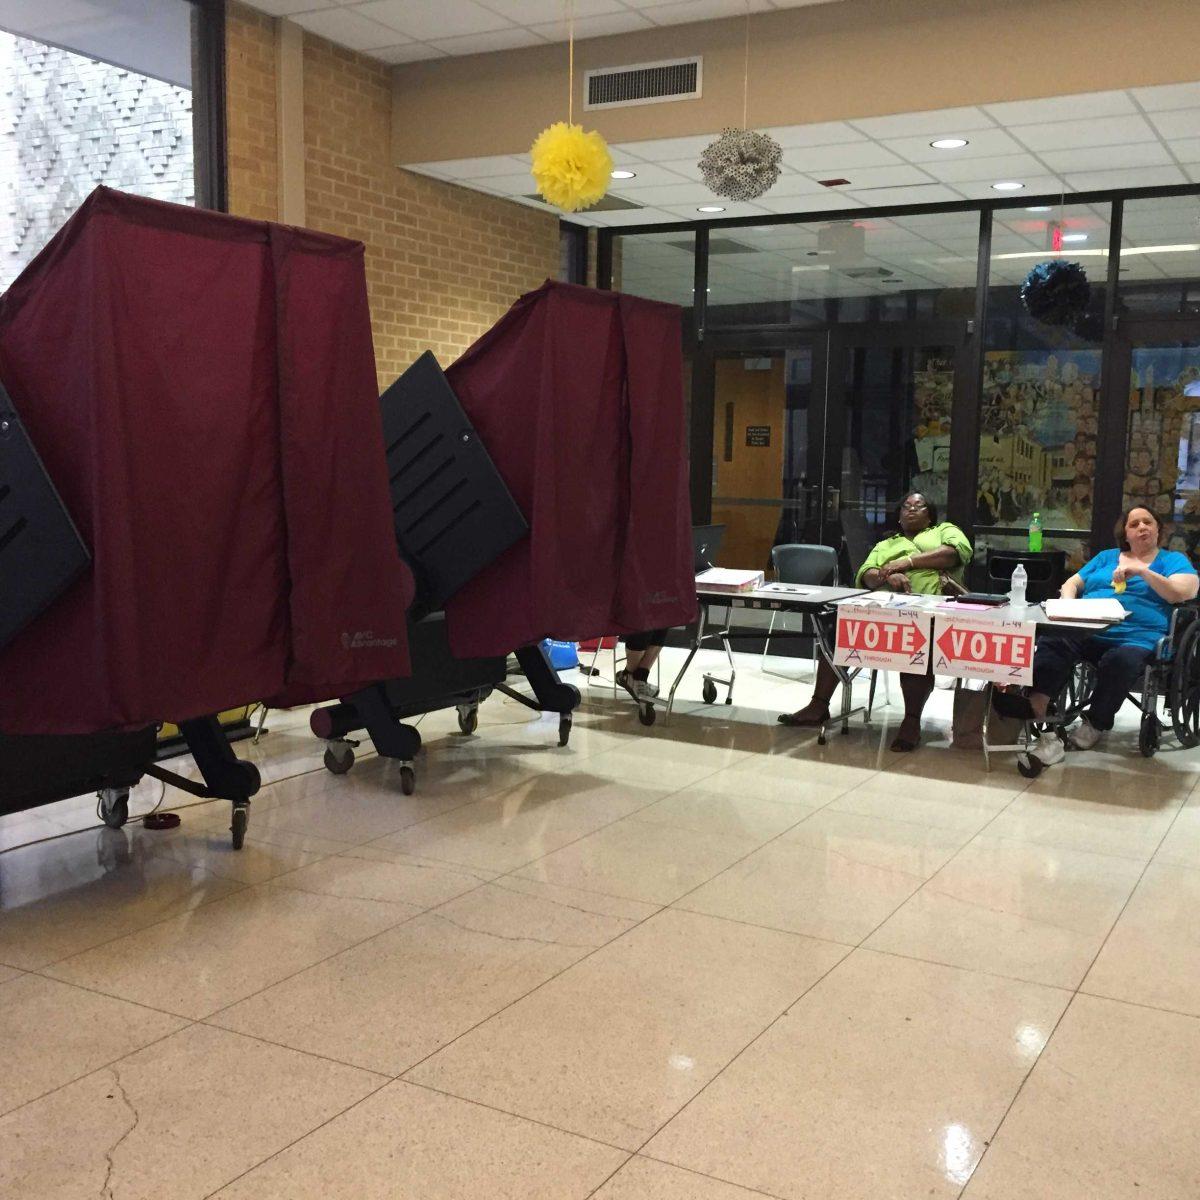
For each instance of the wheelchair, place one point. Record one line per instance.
(1168, 698)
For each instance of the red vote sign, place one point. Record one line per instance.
(882, 637)
(981, 648)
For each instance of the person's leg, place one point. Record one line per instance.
(916, 689)
(1053, 662)
(641, 652)
(1118, 671)
(816, 710)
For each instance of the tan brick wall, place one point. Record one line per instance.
(443, 262)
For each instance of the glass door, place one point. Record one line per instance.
(1161, 463)
(889, 421)
(768, 402)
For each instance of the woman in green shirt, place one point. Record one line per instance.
(919, 557)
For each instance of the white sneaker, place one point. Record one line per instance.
(1049, 750)
(639, 689)
(1084, 736)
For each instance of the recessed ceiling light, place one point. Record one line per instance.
(620, 173)
(1039, 208)
(949, 143)
(1075, 237)
(1007, 185)
(710, 208)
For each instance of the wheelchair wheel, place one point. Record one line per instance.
(1183, 687)
(1029, 766)
(1148, 735)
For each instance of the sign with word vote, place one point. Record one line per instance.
(999, 650)
(882, 637)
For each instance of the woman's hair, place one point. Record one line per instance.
(1123, 520)
(930, 507)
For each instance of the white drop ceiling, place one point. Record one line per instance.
(399, 31)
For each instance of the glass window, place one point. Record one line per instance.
(1160, 256)
(876, 269)
(1041, 383)
(659, 266)
(96, 93)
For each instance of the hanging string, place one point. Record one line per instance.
(570, 62)
(746, 76)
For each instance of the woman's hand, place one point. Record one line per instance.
(898, 566)
(1128, 568)
(898, 582)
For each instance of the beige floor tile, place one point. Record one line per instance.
(806, 889)
(372, 872)
(1181, 846)
(53, 1033)
(7, 973)
(178, 1119)
(604, 1056)
(940, 803)
(810, 778)
(387, 1004)
(409, 1143)
(1033, 912)
(227, 950)
(1152, 955)
(706, 808)
(1108, 1113)
(587, 902)
(886, 1079)
(645, 1179)
(641, 861)
(523, 824)
(1124, 820)
(66, 896)
(877, 842)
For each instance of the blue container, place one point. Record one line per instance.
(563, 655)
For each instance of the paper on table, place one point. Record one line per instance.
(728, 579)
(1085, 610)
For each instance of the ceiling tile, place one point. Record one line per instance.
(703, 10)
(1083, 106)
(624, 21)
(427, 19)
(875, 177)
(637, 216)
(479, 168)
(933, 193)
(687, 212)
(486, 43)
(668, 193)
(1186, 149)
(648, 174)
(520, 183)
(792, 184)
(981, 143)
(407, 52)
(1069, 135)
(830, 201)
(1035, 185)
(1007, 166)
(825, 133)
(1105, 158)
(1180, 123)
(1095, 181)
(347, 28)
(668, 149)
(1172, 95)
(288, 8)
(534, 12)
(823, 160)
(943, 122)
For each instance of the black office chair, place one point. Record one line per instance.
(816, 566)
(1046, 569)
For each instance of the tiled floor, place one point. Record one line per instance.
(705, 961)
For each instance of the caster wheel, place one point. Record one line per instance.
(729, 698)
(114, 807)
(1029, 766)
(646, 714)
(564, 730)
(1148, 736)
(821, 739)
(468, 719)
(709, 692)
(237, 827)
(408, 780)
(339, 760)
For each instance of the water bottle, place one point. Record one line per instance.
(1035, 533)
(1016, 593)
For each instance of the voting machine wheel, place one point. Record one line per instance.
(239, 822)
(339, 758)
(468, 718)
(114, 806)
(709, 691)
(564, 729)
(646, 714)
(408, 780)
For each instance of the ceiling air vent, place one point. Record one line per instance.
(643, 83)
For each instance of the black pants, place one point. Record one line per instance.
(643, 641)
(1118, 671)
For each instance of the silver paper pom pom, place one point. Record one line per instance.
(741, 164)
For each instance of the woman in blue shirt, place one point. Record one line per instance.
(1147, 581)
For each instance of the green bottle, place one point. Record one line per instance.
(1035, 534)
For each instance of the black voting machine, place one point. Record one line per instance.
(453, 517)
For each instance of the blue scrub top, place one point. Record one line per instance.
(1149, 614)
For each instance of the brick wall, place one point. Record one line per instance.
(443, 262)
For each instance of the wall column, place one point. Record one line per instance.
(289, 108)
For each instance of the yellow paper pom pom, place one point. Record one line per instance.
(571, 168)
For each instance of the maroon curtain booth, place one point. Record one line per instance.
(202, 391)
